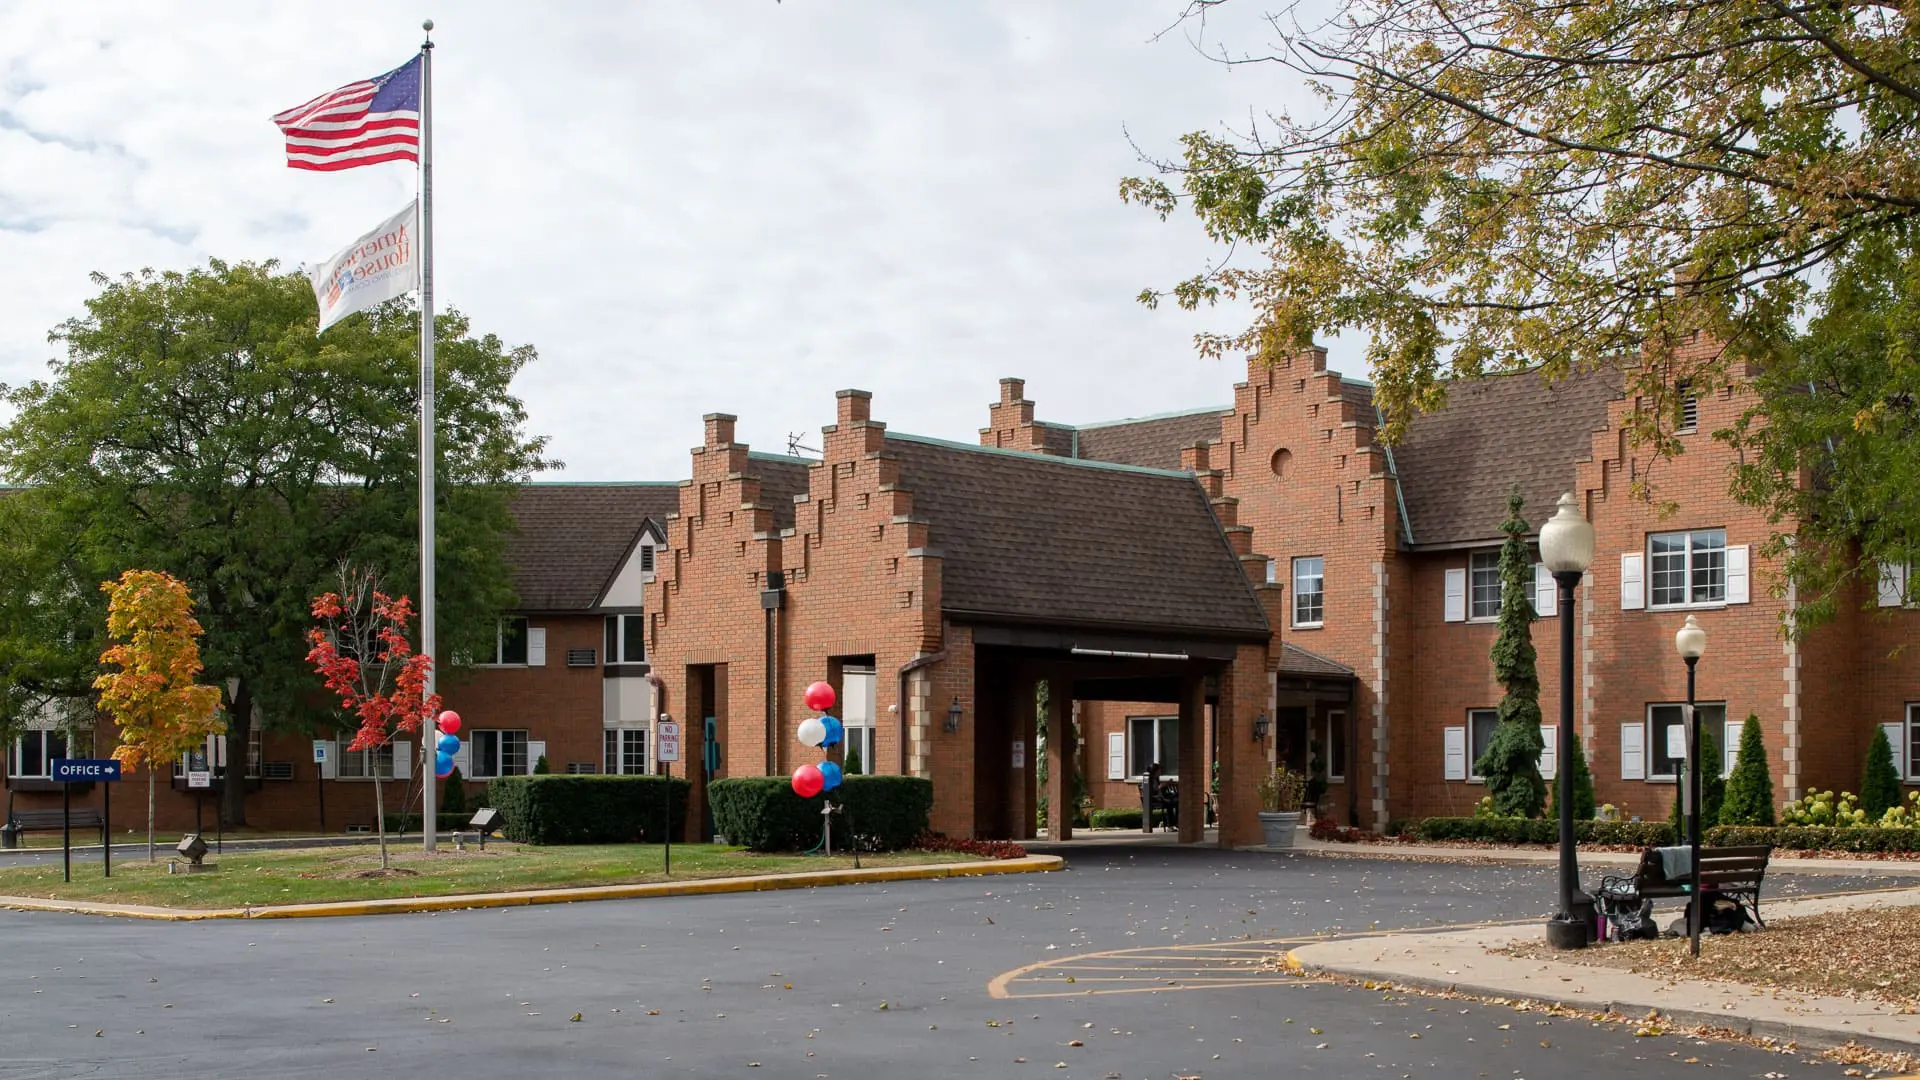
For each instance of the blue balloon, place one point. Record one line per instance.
(830, 773)
(836, 731)
(448, 744)
(443, 763)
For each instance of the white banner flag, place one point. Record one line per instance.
(377, 267)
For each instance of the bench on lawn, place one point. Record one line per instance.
(24, 821)
(1731, 872)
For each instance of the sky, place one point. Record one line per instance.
(733, 206)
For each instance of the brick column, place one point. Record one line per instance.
(1062, 758)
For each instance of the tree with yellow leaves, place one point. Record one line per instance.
(159, 709)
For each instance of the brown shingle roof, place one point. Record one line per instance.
(1031, 537)
(1298, 661)
(1152, 443)
(1457, 465)
(781, 478)
(571, 538)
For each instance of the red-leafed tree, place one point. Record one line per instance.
(361, 649)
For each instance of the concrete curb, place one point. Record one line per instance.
(1806, 1019)
(1032, 864)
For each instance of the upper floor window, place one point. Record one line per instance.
(1687, 568)
(1483, 573)
(1309, 590)
(626, 639)
(509, 642)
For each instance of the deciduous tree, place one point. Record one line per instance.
(362, 653)
(151, 691)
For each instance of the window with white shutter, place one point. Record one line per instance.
(1730, 747)
(1546, 592)
(1456, 600)
(1116, 755)
(330, 767)
(1893, 584)
(536, 646)
(463, 757)
(1737, 587)
(1633, 751)
(1896, 740)
(402, 760)
(1633, 595)
(536, 749)
(1549, 751)
(1456, 753)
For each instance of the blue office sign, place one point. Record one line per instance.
(85, 770)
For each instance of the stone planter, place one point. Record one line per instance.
(1279, 827)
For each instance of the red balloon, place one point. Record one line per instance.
(807, 781)
(819, 697)
(450, 722)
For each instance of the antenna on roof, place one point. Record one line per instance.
(794, 445)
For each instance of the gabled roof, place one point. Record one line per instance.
(571, 539)
(1028, 537)
(1457, 464)
(1295, 660)
(1152, 442)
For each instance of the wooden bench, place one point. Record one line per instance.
(1735, 873)
(25, 821)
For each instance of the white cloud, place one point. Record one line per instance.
(735, 207)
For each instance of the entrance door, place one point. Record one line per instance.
(1291, 727)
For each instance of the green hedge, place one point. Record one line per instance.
(763, 813)
(1123, 817)
(1862, 840)
(454, 822)
(1541, 831)
(587, 809)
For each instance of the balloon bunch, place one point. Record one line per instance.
(821, 731)
(446, 744)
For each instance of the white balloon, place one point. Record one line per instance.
(812, 731)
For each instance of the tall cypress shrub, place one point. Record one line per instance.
(1584, 805)
(1749, 798)
(1512, 761)
(1713, 788)
(1880, 785)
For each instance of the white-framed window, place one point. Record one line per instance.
(1309, 590)
(1153, 739)
(1333, 746)
(627, 639)
(626, 752)
(215, 755)
(1480, 725)
(1483, 585)
(34, 751)
(1912, 771)
(1667, 717)
(373, 764)
(1685, 569)
(500, 752)
(509, 643)
(859, 685)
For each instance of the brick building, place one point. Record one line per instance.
(567, 680)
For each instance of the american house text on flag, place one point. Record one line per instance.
(362, 123)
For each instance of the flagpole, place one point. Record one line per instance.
(429, 732)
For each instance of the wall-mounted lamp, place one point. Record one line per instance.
(1260, 725)
(953, 715)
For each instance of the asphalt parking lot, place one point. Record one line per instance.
(1168, 953)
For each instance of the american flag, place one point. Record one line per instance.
(362, 123)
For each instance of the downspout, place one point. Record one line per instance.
(900, 697)
(772, 599)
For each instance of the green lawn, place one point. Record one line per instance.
(319, 875)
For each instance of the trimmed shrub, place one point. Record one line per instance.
(453, 797)
(540, 767)
(1865, 840)
(1541, 831)
(1880, 783)
(1583, 802)
(1749, 799)
(763, 813)
(1123, 817)
(588, 809)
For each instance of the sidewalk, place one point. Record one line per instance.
(1461, 960)
(1589, 860)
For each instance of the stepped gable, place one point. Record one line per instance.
(1152, 442)
(1026, 536)
(570, 539)
(1457, 465)
(782, 479)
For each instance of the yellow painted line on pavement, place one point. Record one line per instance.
(464, 901)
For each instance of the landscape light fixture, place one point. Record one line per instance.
(193, 848)
(1691, 643)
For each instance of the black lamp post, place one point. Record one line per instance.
(1691, 641)
(1566, 546)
